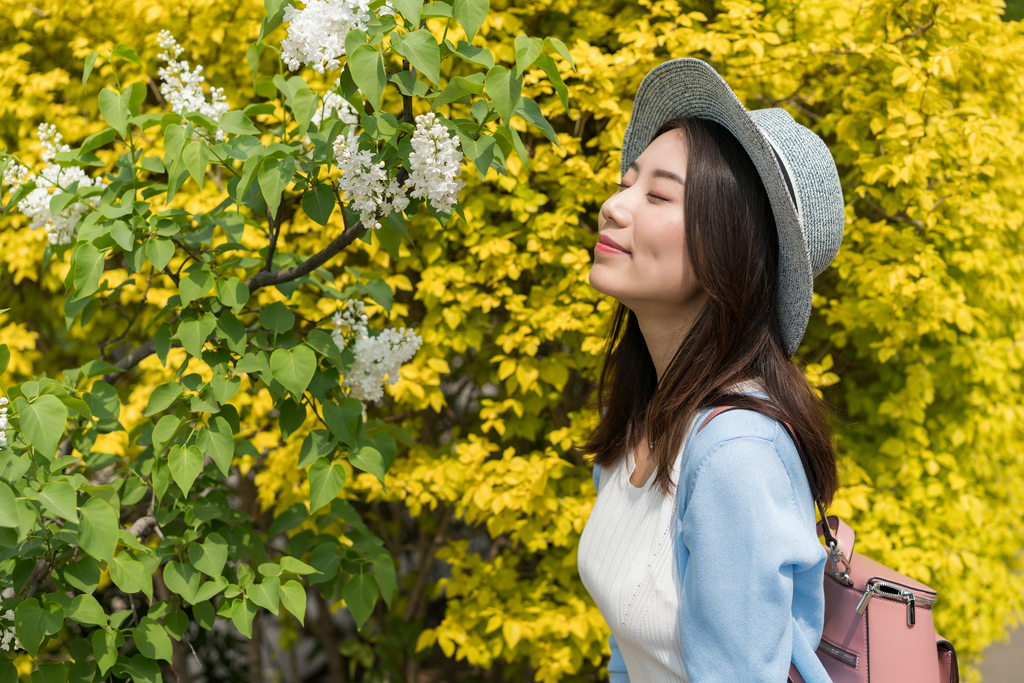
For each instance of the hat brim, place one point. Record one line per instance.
(688, 87)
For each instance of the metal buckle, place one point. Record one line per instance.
(837, 556)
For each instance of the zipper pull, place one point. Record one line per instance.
(868, 594)
(911, 615)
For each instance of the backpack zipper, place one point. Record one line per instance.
(892, 590)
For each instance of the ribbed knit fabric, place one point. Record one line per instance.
(626, 560)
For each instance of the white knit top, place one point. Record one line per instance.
(626, 560)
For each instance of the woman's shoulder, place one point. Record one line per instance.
(745, 442)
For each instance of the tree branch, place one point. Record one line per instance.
(267, 278)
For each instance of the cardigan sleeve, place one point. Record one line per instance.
(744, 536)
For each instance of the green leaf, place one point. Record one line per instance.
(242, 614)
(504, 89)
(471, 14)
(8, 670)
(165, 429)
(5, 358)
(224, 388)
(86, 609)
(293, 368)
(233, 293)
(50, 672)
(551, 70)
(420, 48)
(343, 419)
(90, 60)
(274, 176)
(317, 444)
(175, 138)
(104, 649)
(139, 668)
(211, 588)
(34, 622)
(277, 318)
(196, 157)
(114, 108)
(369, 460)
(232, 331)
(530, 111)
(304, 104)
(561, 49)
(266, 594)
(195, 286)
(122, 234)
(130, 575)
(293, 565)
(163, 342)
(97, 529)
(367, 67)
(87, 264)
(162, 398)
(293, 597)
(127, 53)
(456, 88)
(410, 9)
(8, 507)
(475, 55)
(527, 50)
(318, 204)
(381, 293)
(83, 574)
(43, 422)
(192, 334)
(182, 579)
(325, 483)
(237, 122)
(159, 252)
(59, 497)
(186, 465)
(210, 556)
(360, 593)
(384, 572)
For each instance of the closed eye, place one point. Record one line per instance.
(649, 194)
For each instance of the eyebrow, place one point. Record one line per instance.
(660, 173)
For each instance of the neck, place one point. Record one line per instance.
(664, 329)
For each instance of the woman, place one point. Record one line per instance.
(701, 550)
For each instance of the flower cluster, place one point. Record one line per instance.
(367, 186)
(436, 162)
(52, 179)
(316, 33)
(8, 638)
(182, 88)
(334, 103)
(3, 421)
(377, 359)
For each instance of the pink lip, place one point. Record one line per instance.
(609, 246)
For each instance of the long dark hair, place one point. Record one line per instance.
(732, 244)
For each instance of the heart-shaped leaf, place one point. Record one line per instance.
(325, 483)
(293, 368)
(209, 556)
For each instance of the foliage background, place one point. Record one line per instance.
(916, 335)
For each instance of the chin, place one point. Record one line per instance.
(603, 281)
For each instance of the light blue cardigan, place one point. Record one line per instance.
(748, 557)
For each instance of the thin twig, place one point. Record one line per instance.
(131, 321)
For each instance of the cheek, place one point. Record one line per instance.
(664, 243)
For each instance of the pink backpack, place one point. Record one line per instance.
(878, 622)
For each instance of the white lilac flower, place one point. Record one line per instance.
(377, 359)
(8, 637)
(52, 179)
(3, 421)
(333, 103)
(436, 162)
(366, 185)
(182, 88)
(316, 33)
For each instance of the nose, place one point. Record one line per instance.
(615, 210)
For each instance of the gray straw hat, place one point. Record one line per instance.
(795, 165)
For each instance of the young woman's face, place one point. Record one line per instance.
(641, 258)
